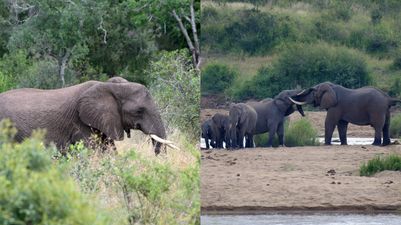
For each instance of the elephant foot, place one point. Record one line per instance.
(386, 142)
(376, 144)
(344, 143)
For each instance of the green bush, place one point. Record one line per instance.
(248, 31)
(377, 164)
(6, 82)
(216, 78)
(305, 65)
(298, 133)
(395, 126)
(34, 191)
(152, 192)
(174, 84)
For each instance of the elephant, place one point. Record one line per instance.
(242, 124)
(220, 129)
(362, 106)
(75, 113)
(271, 115)
(207, 133)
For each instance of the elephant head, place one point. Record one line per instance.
(284, 103)
(117, 106)
(322, 95)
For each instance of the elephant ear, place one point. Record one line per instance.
(98, 108)
(328, 97)
(281, 104)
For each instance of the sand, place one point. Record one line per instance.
(317, 178)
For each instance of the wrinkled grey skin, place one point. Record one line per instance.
(242, 124)
(362, 106)
(207, 132)
(74, 113)
(272, 113)
(220, 129)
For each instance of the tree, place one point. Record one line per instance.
(172, 18)
(53, 29)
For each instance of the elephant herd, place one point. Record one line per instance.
(363, 106)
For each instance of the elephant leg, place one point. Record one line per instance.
(280, 133)
(378, 124)
(250, 140)
(386, 133)
(207, 143)
(329, 126)
(272, 132)
(241, 135)
(342, 131)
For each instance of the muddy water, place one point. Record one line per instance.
(300, 219)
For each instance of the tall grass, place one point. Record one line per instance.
(377, 164)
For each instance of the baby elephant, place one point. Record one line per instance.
(220, 129)
(207, 133)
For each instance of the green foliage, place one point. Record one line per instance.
(249, 31)
(174, 83)
(216, 78)
(395, 126)
(395, 88)
(298, 133)
(377, 164)
(306, 65)
(6, 82)
(301, 133)
(34, 191)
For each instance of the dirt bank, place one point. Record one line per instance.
(300, 178)
(297, 179)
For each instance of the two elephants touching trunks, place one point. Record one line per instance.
(68, 115)
(363, 106)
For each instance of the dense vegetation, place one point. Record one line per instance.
(50, 44)
(377, 164)
(276, 45)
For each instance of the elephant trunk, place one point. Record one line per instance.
(300, 110)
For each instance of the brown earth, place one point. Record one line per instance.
(300, 178)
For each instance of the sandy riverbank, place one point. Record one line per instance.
(323, 178)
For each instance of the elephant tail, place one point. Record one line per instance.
(394, 101)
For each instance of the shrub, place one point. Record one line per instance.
(377, 164)
(305, 65)
(174, 83)
(298, 133)
(153, 192)
(397, 61)
(6, 82)
(395, 126)
(216, 78)
(34, 191)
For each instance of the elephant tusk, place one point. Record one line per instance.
(303, 91)
(159, 139)
(296, 102)
(163, 141)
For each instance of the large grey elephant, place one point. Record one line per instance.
(242, 124)
(362, 106)
(220, 128)
(207, 133)
(74, 113)
(272, 113)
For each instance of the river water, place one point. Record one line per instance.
(302, 219)
(335, 141)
